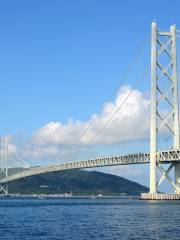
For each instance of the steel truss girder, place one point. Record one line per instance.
(135, 158)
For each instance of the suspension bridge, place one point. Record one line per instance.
(163, 125)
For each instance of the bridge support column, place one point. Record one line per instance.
(176, 106)
(153, 140)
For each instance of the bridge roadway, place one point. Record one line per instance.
(137, 158)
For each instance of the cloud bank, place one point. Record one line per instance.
(55, 140)
(131, 123)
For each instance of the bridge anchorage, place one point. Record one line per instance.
(164, 92)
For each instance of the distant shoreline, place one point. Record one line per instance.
(56, 196)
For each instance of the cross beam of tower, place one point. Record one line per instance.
(164, 92)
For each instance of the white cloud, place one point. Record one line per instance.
(54, 141)
(11, 148)
(40, 152)
(131, 123)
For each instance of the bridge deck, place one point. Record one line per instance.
(137, 158)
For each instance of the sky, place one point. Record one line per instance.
(60, 62)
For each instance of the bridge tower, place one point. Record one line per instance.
(4, 163)
(164, 104)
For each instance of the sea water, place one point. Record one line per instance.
(86, 218)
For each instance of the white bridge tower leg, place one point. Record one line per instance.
(153, 137)
(176, 106)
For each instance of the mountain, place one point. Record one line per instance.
(80, 182)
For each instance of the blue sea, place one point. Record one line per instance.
(85, 219)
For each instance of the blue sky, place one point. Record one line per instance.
(61, 60)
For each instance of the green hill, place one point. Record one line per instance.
(80, 182)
